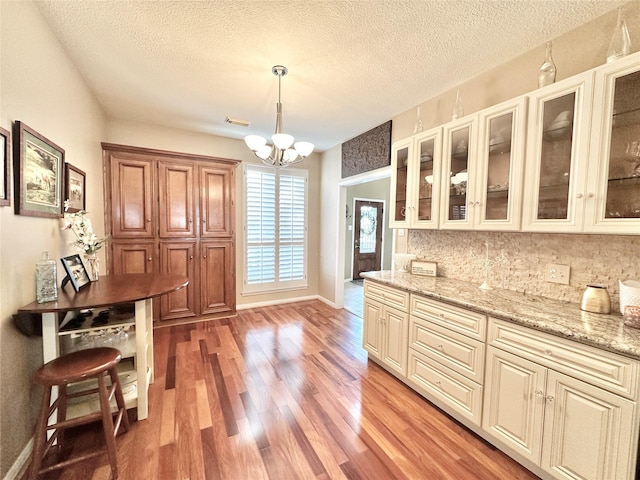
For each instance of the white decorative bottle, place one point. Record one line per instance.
(46, 279)
(547, 73)
(458, 108)
(620, 42)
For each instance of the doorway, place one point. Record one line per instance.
(367, 236)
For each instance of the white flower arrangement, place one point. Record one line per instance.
(86, 241)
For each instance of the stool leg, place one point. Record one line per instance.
(115, 380)
(107, 425)
(40, 435)
(62, 412)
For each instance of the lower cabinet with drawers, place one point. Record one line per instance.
(563, 409)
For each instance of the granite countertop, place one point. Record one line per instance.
(564, 319)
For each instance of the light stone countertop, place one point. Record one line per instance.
(556, 317)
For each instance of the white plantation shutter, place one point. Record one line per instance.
(275, 228)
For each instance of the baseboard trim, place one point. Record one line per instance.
(19, 467)
(270, 303)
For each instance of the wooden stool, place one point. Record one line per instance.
(75, 367)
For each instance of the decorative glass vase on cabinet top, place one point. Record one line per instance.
(547, 73)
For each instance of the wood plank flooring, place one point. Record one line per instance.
(285, 392)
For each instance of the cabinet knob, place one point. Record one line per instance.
(191, 220)
(591, 195)
(438, 383)
(149, 259)
(190, 257)
(548, 353)
(579, 196)
(550, 398)
(440, 347)
(149, 220)
(539, 393)
(204, 221)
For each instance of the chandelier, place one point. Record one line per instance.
(281, 154)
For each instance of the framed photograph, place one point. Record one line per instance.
(38, 173)
(74, 188)
(76, 273)
(5, 198)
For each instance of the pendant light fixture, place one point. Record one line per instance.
(281, 154)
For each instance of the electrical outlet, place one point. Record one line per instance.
(557, 273)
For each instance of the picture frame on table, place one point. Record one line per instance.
(5, 168)
(76, 273)
(75, 188)
(38, 173)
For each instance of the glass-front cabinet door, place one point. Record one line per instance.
(426, 179)
(401, 153)
(613, 191)
(501, 141)
(556, 167)
(458, 162)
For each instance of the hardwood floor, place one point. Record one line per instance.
(280, 393)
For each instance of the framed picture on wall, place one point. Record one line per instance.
(75, 188)
(38, 173)
(76, 273)
(5, 143)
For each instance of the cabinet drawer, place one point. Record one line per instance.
(462, 354)
(598, 367)
(460, 320)
(455, 391)
(389, 296)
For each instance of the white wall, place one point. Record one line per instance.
(42, 88)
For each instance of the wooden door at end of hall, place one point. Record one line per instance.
(367, 237)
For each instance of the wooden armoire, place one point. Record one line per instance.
(173, 213)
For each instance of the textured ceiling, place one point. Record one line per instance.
(352, 64)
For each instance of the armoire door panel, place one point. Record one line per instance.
(216, 197)
(132, 196)
(179, 258)
(136, 257)
(217, 277)
(177, 205)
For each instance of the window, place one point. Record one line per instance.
(275, 229)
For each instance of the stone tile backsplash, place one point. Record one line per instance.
(601, 259)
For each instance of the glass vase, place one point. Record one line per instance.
(46, 278)
(458, 108)
(547, 73)
(94, 266)
(620, 42)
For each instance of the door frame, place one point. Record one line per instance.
(343, 184)
(384, 226)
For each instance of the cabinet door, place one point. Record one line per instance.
(458, 153)
(613, 192)
(401, 153)
(395, 339)
(177, 204)
(132, 196)
(424, 176)
(558, 135)
(138, 257)
(514, 402)
(371, 327)
(498, 195)
(217, 277)
(589, 433)
(217, 201)
(179, 258)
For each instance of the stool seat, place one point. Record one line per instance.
(77, 366)
(92, 363)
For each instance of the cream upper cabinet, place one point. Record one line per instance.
(613, 185)
(497, 200)
(401, 152)
(458, 169)
(415, 185)
(558, 131)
